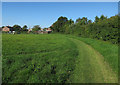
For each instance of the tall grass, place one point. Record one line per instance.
(37, 58)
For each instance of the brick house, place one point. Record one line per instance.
(7, 29)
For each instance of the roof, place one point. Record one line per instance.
(48, 29)
(11, 29)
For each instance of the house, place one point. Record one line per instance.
(7, 29)
(40, 32)
(48, 30)
(29, 30)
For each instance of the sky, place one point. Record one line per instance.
(60, 0)
(46, 13)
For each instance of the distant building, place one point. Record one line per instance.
(29, 30)
(7, 29)
(48, 30)
(42, 31)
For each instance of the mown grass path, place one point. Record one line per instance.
(91, 67)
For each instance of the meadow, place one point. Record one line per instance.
(56, 58)
(27, 56)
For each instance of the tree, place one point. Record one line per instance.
(102, 28)
(36, 28)
(89, 21)
(58, 25)
(71, 21)
(17, 28)
(96, 19)
(78, 20)
(3, 26)
(84, 20)
(25, 28)
(44, 29)
(103, 17)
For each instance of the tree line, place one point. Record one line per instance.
(102, 28)
(24, 29)
(18, 28)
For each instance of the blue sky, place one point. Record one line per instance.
(60, 0)
(46, 13)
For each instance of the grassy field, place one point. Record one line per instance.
(55, 58)
(37, 58)
(108, 50)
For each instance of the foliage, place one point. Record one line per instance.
(44, 29)
(25, 28)
(17, 28)
(58, 25)
(102, 28)
(36, 28)
(3, 26)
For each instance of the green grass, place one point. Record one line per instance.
(56, 58)
(108, 50)
(37, 58)
(91, 67)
